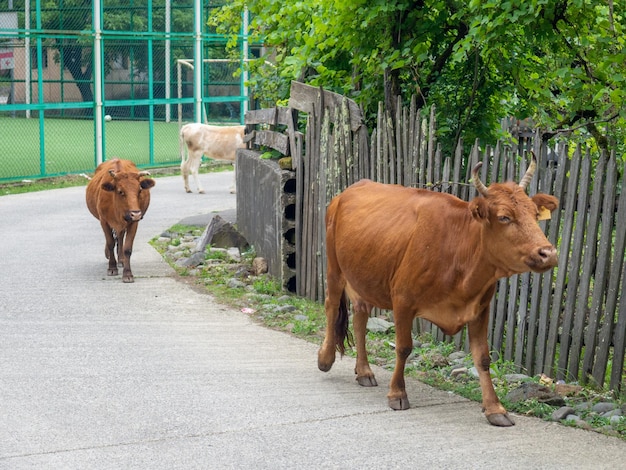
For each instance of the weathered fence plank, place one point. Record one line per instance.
(570, 336)
(550, 313)
(619, 339)
(603, 257)
(610, 333)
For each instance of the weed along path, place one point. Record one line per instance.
(99, 374)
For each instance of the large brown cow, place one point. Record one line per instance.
(118, 196)
(429, 255)
(217, 142)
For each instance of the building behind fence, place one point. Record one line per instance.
(570, 322)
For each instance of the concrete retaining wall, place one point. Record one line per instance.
(266, 213)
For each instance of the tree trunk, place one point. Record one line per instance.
(392, 90)
(72, 59)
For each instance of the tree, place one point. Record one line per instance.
(374, 50)
(560, 63)
(565, 58)
(75, 54)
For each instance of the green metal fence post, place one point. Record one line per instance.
(40, 97)
(98, 74)
(197, 61)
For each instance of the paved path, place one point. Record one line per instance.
(98, 374)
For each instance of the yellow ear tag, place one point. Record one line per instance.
(544, 214)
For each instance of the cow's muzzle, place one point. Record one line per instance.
(543, 259)
(133, 216)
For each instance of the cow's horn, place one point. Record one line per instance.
(480, 187)
(112, 173)
(530, 172)
(144, 173)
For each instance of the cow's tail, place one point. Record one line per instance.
(181, 144)
(343, 337)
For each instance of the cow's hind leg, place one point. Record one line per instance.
(336, 309)
(195, 158)
(494, 411)
(397, 397)
(362, 369)
(184, 170)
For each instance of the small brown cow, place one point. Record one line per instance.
(118, 196)
(429, 255)
(217, 142)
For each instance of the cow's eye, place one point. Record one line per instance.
(504, 219)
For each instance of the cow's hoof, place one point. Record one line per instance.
(499, 419)
(187, 190)
(201, 191)
(367, 381)
(398, 404)
(112, 272)
(325, 365)
(128, 279)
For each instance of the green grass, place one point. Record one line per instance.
(43, 184)
(69, 145)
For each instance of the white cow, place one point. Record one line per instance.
(217, 142)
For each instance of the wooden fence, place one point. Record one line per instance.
(569, 323)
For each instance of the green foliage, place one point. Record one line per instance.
(215, 254)
(560, 63)
(305, 327)
(271, 155)
(184, 230)
(29, 186)
(529, 408)
(266, 284)
(565, 60)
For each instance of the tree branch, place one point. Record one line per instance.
(591, 127)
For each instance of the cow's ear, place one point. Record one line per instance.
(479, 208)
(545, 200)
(108, 186)
(147, 183)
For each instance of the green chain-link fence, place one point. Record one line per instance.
(83, 81)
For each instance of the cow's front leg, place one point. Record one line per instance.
(494, 411)
(195, 159)
(364, 374)
(109, 249)
(127, 274)
(397, 396)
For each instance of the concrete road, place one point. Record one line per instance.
(98, 374)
